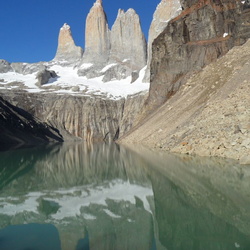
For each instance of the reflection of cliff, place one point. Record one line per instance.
(199, 200)
(81, 164)
(184, 225)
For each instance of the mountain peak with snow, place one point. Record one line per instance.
(67, 50)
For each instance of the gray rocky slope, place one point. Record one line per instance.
(208, 116)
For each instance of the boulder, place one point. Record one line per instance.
(44, 76)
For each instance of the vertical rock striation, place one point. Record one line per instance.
(67, 50)
(123, 48)
(127, 40)
(97, 35)
(165, 11)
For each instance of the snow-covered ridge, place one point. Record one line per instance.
(69, 82)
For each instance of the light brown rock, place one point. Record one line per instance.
(97, 35)
(67, 50)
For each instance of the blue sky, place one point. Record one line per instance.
(29, 28)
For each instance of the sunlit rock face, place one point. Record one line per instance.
(201, 33)
(67, 50)
(91, 119)
(127, 40)
(97, 35)
(165, 11)
(123, 49)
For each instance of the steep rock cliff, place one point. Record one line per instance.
(127, 40)
(19, 128)
(97, 35)
(165, 11)
(83, 117)
(67, 50)
(114, 54)
(204, 31)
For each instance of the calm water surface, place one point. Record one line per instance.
(76, 196)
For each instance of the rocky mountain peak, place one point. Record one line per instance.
(98, 3)
(67, 50)
(127, 39)
(97, 42)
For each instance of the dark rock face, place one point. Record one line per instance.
(204, 31)
(44, 76)
(19, 128)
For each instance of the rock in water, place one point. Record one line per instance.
(67, 50)
(127, 40)
(97, 40)
(165, 11)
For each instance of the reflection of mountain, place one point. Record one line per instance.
(78, 164)
(127, 201)
(200, 203)
(100, 188)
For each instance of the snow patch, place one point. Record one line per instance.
(107, 67)
(68, 82)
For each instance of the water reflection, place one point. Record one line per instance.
(109, 197)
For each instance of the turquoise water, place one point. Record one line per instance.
(78, 196)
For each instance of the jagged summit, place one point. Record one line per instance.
(123, 48)
(67, 50)
(65, 27)
(127, 39)
(98, 2)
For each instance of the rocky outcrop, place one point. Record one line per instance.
(19, 128)
(208, 116)
(165, 11)
(5, 66)
(28, 68)
(97, 35)
(127, 40)
(83, 117)
(123, 48)
(67, 50)
(44, 76)
(204, 31)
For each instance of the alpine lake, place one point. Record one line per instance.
(107, 197)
